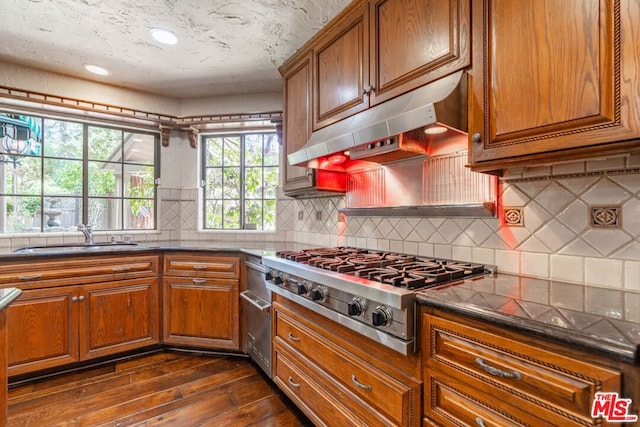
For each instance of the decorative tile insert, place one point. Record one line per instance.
(606, 216)
(513, 217)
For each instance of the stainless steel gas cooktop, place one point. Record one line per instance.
(371, 292)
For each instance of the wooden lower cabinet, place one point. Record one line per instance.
(352, 378)
(56, 326)
(201, 312)
(201, 300)
(310, 396)
(476, 373)
(77, 308)
(119, 316)
(43, 329)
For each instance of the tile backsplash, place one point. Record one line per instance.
(556, 239)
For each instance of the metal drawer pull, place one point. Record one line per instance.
(199, 281)
(293, 338)
(292, 384)
(31, 277)
(199, 267)
(120, 269)
(480, 422)
(497, 372)
(359, 384)
(256, 301)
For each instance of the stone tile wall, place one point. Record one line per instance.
(557, 238)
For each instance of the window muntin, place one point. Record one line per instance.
(72, 173)
(240, 175)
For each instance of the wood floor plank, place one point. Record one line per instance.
(207, 383)
(169, 388)
(85, 400)
(64, 381)
(248, 414)
(73, 395)
(161, 357)
(284, 418)
(244, 395)
(130, 407)
(175, 410)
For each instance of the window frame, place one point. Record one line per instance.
(84, 195)
(242, 199)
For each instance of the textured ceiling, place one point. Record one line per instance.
(225, 47)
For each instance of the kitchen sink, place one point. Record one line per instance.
(74, 247)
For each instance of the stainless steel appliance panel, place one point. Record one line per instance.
(257, 299)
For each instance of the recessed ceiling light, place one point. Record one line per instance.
(163, 36)
(96, 69)
(435, 130)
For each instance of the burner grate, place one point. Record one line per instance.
(400, 270)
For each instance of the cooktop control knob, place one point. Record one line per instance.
(356, 307)
(319, 293)
(381, 316)
(302, 288)
(268, 276)
(277, 279)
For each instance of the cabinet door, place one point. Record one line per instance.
(118, 316)
(554, 78)
(201, 312)
(297, 121)
(341, 72)
(414, 42)
(42, 329)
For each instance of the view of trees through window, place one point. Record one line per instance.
(240, 177)
(59, 173)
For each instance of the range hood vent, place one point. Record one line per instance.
(443, 102)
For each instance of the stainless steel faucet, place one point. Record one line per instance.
(87, 230)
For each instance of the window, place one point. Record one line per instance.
(240, 176)
(56, 174)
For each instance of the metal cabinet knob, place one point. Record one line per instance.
(476, 137)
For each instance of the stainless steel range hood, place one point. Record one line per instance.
(443, 101)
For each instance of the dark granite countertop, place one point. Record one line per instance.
(596, 319)
(106, 249)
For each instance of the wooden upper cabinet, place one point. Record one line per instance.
(341, 72)
(414, 42)
(297, 118)
(377, 50)
(553, 80)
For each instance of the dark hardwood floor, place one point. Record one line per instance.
(162, 389)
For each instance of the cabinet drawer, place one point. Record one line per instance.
(509, 369)
(303, 391)
(379, 390)
(201, 266)
(448, 402)
(78, 270)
